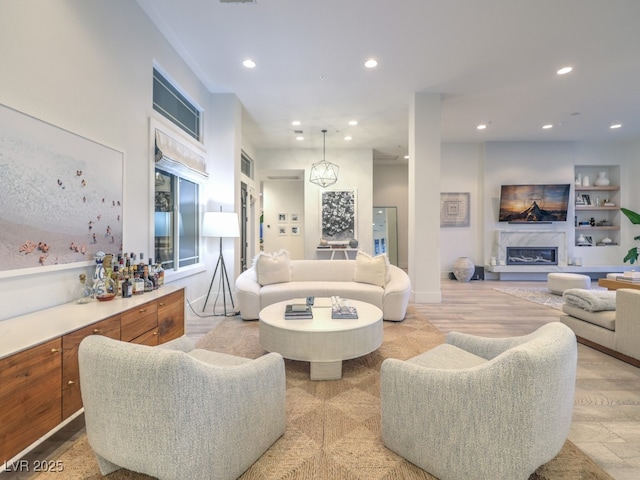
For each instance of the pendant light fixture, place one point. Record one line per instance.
(324, 173)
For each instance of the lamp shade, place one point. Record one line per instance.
(220, 224)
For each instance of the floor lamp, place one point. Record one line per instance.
(222, 225)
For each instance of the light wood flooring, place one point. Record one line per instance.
(606, 419)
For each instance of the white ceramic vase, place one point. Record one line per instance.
(602, 180)
(463, 269)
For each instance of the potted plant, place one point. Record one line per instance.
(632, 254)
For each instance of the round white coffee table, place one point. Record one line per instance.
(322, 341)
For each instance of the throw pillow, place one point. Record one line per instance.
(272, 267)
(373, 270)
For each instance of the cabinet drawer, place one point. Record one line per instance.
(138, 320)
(149, 338)
(171, 316)
(30, 396)
(71, 398)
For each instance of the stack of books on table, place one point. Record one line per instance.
(340, 309)
(298, 311)
(631, 277)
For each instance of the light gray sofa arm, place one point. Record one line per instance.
(161, 412)
(247, 291)
(397, 293)
(627, 336)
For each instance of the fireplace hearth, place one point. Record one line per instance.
(532, 255)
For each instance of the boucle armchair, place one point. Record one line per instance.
(175, 412)
(478, 408)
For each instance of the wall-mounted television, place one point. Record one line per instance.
(534, 203)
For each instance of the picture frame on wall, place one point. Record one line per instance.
(295, 230)
(295, 217)
(282, 230)
(454, 209)
(338, 215)
(282, 217)
(77, 184)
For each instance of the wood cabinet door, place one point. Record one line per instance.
(71, 398)
(171, 316)
(30, 396)
(138, 320)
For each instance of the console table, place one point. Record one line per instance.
(330, 253)
(39, 373)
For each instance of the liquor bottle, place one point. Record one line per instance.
(160, 273)
(138, 284)
(105, 287)
(84, 293)
(153, 274)
(119, 278)
(127, 288)
(148, 284)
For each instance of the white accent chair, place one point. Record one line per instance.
(176, 412)
(478, 408)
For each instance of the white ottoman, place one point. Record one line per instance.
(559, 282)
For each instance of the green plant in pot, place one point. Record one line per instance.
(632, 254)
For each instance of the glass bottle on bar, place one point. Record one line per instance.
(148, 284)
(84, 293)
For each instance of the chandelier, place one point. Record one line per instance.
(324, 173)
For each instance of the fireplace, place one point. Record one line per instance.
(532, 255)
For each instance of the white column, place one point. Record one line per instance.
(424, 198)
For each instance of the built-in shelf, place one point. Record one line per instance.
(606, 227)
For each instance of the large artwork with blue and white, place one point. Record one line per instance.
(60, 195)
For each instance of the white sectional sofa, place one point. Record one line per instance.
(615, 332)
(348, 279)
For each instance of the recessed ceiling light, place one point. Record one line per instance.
(547, 126)
(353, 123)
(371, 63)
(347, 138)
(615, 125)
(564, 70)
(299, 138)
(249, 63)
(295, 123)
(482, 126)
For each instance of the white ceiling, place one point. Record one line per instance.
(491, 60)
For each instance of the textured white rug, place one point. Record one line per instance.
(541, 295)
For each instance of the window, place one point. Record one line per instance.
(176, 221)
(246, 165)
(168, 101)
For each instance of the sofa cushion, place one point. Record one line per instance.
(448, 357)
(605, 319)
(272, 267)
(373, 270)
(280, 292)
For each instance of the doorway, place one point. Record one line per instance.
(385, 232)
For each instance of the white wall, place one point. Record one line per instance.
(287, 197)
(356, 172)
(87, 67)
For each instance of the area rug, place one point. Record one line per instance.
(540, 295)
(333, 427)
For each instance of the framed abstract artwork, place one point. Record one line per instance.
(338, 209)
(454, 209)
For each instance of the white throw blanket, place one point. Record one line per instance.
(590, 300)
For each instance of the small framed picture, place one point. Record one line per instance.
(282, 230)
(282, 217)
(586, 199)
(295, 230)
(295, 217)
